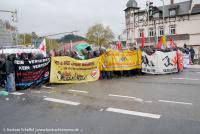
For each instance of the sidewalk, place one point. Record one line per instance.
(194, 66)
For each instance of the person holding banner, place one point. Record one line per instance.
(192, 53)
(10, 81)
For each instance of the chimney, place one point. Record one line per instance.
(172, 2)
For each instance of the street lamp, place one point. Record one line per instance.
(149, 9)
(163, 14)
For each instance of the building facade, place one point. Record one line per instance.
(181, 22)
(7, 34)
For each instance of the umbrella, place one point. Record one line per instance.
(80, 47)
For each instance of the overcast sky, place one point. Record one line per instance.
(55, 16)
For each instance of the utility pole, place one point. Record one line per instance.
(148, 4)
(24, 39)
(163, 15)
(149, 9)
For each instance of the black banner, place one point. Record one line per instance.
(31, 73)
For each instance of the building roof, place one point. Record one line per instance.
(182, 8)
(196, 9)
(131, 3)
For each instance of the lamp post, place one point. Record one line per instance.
(163, 15)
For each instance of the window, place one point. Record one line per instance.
(140, 32)
(151, 32)
(156, 15)
(172, 30)
(172, 12)
(141, 18)
(131, 19)
(161, 31)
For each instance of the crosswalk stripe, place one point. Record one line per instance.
(62, 101)
(135, 113)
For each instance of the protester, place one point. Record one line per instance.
(192, 53)
(2, 70)
(186, 50)
(9, 68)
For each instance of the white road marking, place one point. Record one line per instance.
(101, 110)
(48, 87)
(148, 101)
(185, 79)
(36, 92)
(129, 97)
(122, 111)
(17, 93)
(62, 101)
(121, 96)
(39, 92)
(78, 91)
(175, 102)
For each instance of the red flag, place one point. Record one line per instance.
(160, 43)
(64, 51)
(119, 45)
(143, 39)
(172, 43)
(42, 47)
(70, 47)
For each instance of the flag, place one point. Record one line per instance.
(160, 43)
(64, 51)
(164, 40)
(143, 39)
(43, 48)
(172, 43)
(70, 47)
(119, 45)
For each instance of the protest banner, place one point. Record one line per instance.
(180, 60)
(114, 60)
(160, 62)
(31, 73)
(68, 70)
(186, 60)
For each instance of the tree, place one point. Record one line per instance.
(100, 35)
(25, 39)
(52, 44)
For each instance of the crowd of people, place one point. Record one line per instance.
(7, 76)
(7, 79)
(83, 55)
(185, 50)
(7, 72)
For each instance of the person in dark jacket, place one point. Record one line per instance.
(192, 53)
(9, 68)
(2, 70)
(186, 50)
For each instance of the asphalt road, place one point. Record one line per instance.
(148, 104)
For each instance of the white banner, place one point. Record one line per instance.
(186, 60)
(159, 62)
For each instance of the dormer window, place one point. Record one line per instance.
(172, 12)
(156, 15)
